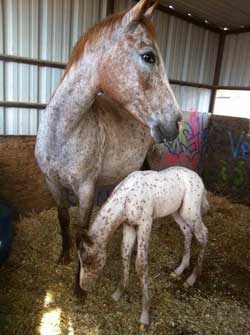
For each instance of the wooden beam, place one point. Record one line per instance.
(110, 7)
(31, 61)
(217, 71)
(237, 31)
(190, 84)
(17, 104)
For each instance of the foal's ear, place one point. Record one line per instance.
(136, 12)
(151, 10)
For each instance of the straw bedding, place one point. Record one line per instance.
(37, 297)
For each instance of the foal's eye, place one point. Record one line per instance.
(149, 57)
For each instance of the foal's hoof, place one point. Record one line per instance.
(64, 259)
(143, 328)
(116, 296)
(174, 276)
(186, 285)
(144, 321)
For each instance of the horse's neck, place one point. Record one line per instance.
(74, 97)
(106, 223)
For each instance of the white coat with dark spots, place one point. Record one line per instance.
(139, 199)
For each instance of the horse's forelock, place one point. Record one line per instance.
(107, 26)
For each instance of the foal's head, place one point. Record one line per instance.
(91, 262)
(130, 69)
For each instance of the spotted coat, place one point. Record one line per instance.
(142, 197)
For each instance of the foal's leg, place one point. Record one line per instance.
(143, 236)
(187, 232)
(129, 236)
(60, 196)
(201, 234)
(86, 202)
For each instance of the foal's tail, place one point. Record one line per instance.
(204, 202)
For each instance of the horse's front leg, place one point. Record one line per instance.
(143, 236)
(86, 203)
(129, 237)
(60, 196)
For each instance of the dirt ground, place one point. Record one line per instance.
(36, 294)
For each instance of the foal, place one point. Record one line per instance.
(136, 201)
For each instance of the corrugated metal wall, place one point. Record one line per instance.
(236, 61)
(48, 29)
(40, 29)
(192, 99)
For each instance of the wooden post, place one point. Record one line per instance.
(217, 71)
(110, 7)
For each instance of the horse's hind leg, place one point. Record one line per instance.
(187, 232)
(129, 237)
(59, 195)
(201, 234)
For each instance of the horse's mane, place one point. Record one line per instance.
(107, 26)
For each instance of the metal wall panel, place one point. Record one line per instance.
(39, 29)
(192, 99)
(48, 29)
(235, 69)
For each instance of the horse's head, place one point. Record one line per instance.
(132, 73)
(91, 262)
(120, 58)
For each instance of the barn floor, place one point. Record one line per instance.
(37, 295)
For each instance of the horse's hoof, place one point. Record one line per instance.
(64, 259)
(80, 294)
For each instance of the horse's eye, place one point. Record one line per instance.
(149, 57)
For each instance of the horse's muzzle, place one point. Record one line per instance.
(166, 132)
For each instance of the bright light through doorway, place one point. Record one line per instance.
(232, 103)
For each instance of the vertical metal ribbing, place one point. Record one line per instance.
(4, 69)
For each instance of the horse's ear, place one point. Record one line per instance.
(151, 10)
(136, 12)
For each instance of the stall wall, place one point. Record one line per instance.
(188, 149)
(235, 69)
(227, 159)
(46, 30)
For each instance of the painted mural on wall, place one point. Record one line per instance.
(188, 149)
(227, 157)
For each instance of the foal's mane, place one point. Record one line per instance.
(106, 26)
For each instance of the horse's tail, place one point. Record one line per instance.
(204, 202)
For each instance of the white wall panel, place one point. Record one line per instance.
(235, 69)
(39, 29)
(192, 99)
